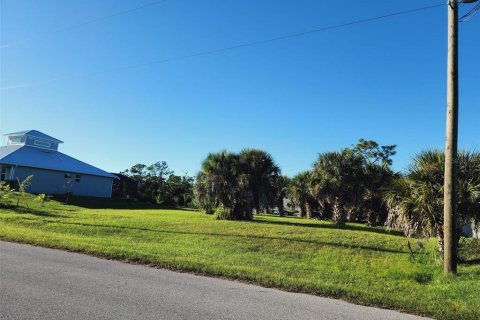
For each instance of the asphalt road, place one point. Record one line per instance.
(38, 283)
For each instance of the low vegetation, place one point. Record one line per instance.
(354, 262)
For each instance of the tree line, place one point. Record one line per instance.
(352, 184)
(158, 184)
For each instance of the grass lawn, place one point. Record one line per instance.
(363, 265)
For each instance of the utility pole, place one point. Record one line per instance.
(451, 163)
(450, 183)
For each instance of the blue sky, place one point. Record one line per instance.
(382, 80)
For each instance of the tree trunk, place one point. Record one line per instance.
(256, 200)
(372, 218)
(309, 210)
(280, 207)
(302, 210)
(339, 215)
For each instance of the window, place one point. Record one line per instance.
(15, 140)
(68, 176)
(41, 143)
(3, 174)
(77, 178)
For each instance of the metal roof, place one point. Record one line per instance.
(27, 156)
(6, 150)
(33, 133)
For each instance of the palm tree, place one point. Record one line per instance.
(416, 200)
(204, 194)
(299, 192)
(262, 172)
(281, 186)
(374, 207)
(238, 183)
(337, 180)
(220, 173)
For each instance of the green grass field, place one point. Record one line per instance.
(363, 265)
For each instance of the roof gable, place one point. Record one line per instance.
(34, 133)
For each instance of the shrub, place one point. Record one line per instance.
(42, 198)
(5, 194)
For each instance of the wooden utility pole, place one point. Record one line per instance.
(450, 183)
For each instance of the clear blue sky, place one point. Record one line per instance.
(383, 80)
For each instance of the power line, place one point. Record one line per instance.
(113, 15)
(215, 51)
(469, 14)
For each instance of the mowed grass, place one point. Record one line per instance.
(364, 265)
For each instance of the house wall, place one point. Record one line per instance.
(55, 182)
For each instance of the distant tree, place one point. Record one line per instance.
(137, 172)
(179, 190)
(337, 179)
(204, 194)
(299, 192)
(373, 153)
(151, 179)
(236, 184)
(281, 187)
(159, 184)
(156, 181)
(262, 174)
(377, 179)
(227, 185)
(377, 160)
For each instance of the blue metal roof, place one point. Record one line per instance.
(27, 156)
(33, 133)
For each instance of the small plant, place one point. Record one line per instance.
(22, 189)
(5, 194)
(42, 198)
(222, 214)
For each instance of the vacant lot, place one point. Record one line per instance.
(365, 265)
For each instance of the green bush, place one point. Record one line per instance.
(5, 194)
(42, 198)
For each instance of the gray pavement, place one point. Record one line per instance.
(38, 283)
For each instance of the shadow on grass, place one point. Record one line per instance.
(322, 243)
(469, 251)
(469, 261)
(332, 226)
(36, 212)
(108, 203)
